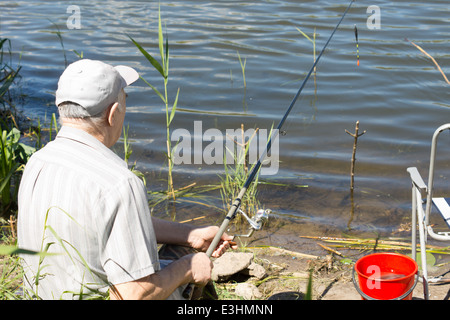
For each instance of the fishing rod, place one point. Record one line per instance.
(187, 293)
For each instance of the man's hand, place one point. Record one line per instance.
(201, 238)
(201, 268)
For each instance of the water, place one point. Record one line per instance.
(386, 276)
(396, 93)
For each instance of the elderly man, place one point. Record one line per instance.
(79, 200)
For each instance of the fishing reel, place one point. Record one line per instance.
(256, 222)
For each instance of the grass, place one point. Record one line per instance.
(243, 64)
(235, 176)
(10, 269)
(13, 156)
(127, 150)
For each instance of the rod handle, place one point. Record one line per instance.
(188, 291)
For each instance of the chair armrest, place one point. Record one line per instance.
(417, 180)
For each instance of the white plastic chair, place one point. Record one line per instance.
(421, 216)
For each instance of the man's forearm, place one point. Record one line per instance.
(169, 232)
(157, 286)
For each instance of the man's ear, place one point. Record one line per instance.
(112, 113)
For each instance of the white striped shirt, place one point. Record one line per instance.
(79, 197)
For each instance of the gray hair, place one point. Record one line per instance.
(72, 110)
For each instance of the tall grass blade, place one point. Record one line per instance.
(308, 294)
(9, 81)
(172, 113)
(305, 35)
(155, 90)
(5, 182)
(12, 250)
(167, 55)
(161, 42)
(242, 67)
(149, 57)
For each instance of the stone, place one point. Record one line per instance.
(229, 264)
(248, 291)
(255, 270)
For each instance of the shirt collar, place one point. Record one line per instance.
(83, 137)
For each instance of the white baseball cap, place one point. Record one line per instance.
(93, 84)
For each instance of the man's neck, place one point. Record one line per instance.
(96, 131)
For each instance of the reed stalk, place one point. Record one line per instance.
(163, 69)
(432, 59)
(378, 244)
(61, 42)
(8, 76)
(242, 68)
(313, 41)
(127, 151)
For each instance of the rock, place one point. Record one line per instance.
(229, 264)
(255, 270)
(248, 291)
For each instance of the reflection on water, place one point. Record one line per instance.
(396, 93)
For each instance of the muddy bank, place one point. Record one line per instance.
(288, 274)
(322, 214)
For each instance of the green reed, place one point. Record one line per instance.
(236, 176)
(313, 41)
(163, 69)
(61, 42)
(127, 150)
(242, 68)
(8, 76)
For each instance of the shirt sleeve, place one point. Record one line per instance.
(128, 242)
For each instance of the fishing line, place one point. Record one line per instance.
(288, 111)
(237, 202)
